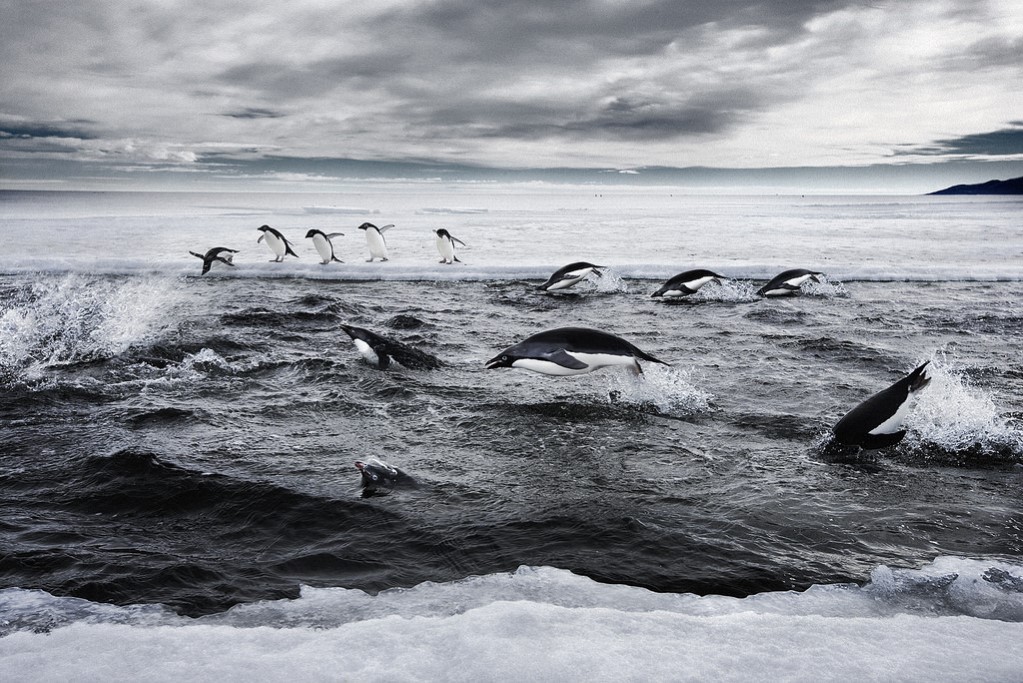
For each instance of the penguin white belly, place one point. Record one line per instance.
(593, 361)
(446, 249)
(893, 423)
(798, 281)
(570, 278)
(323, 248)
(276, 244)
(367, 352)
(377, 247)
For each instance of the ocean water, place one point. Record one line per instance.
(180, 500)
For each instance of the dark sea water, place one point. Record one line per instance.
(193, 445)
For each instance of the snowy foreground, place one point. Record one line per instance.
(953, 620)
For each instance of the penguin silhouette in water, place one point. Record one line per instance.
(877, 422)
(378, 351)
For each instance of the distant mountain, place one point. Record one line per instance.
(1014, 186)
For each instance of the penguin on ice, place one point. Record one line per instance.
(571, 351)
(877, 421)
(788, 282)
(324, 247)
(446, 246)
(378, 351)
(565, 277)
(222, 254)
(686, 283)
(375, 241)
(277, 242)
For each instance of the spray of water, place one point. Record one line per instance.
(610, 282)
(665, 390)
(825, 288)
(78, 318)
(953, 417)
(727, 291)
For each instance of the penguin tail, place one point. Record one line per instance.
(918, 379)
(335, 258)
(197, 255)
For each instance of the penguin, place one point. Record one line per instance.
(379, 478)
(877, 422)
(788, 282)
(324, 246)
(571, 351)
(277, 242)
(215, 254)
(565, 277)
(378, 351)
(686, 283)
(375, 241)
(446, 246)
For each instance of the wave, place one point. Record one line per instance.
(955, 618)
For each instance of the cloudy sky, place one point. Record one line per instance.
(194, 89)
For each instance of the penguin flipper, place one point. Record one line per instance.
(383, 358)
(565, 360)
(197, 255)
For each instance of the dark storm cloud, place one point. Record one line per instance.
(254, 113)
(996, 143)
(29, 131)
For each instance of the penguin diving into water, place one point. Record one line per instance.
(375, 241)
(687, 283)
(571, 351)
(788, 282)
(877, 422)
(378, 351)
(277, 242)
(565, 277)
(222, 254)
(446, 246)
(324, 247)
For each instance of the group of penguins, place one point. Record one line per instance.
(281, 247)
(873, 424)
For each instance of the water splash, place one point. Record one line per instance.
(727, 291)
(825, 288)
(610, 282)
(76, 318)
(668, 391)
(952, 417)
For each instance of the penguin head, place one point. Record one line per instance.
(367, 226)
(442, 233)
(504, 360)
(264, 228)
(376, 475)
(313, 233)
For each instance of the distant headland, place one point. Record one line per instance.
(1013, 186)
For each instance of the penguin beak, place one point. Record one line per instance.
(497, 362)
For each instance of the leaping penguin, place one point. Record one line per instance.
(215, 254)
(324, 247)
(571, 351)
(378, 351)
(375, 241)
(686, 283)
(877, 422)
(277, 242)
(565, 277)
(446, 246)
(788, 282)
